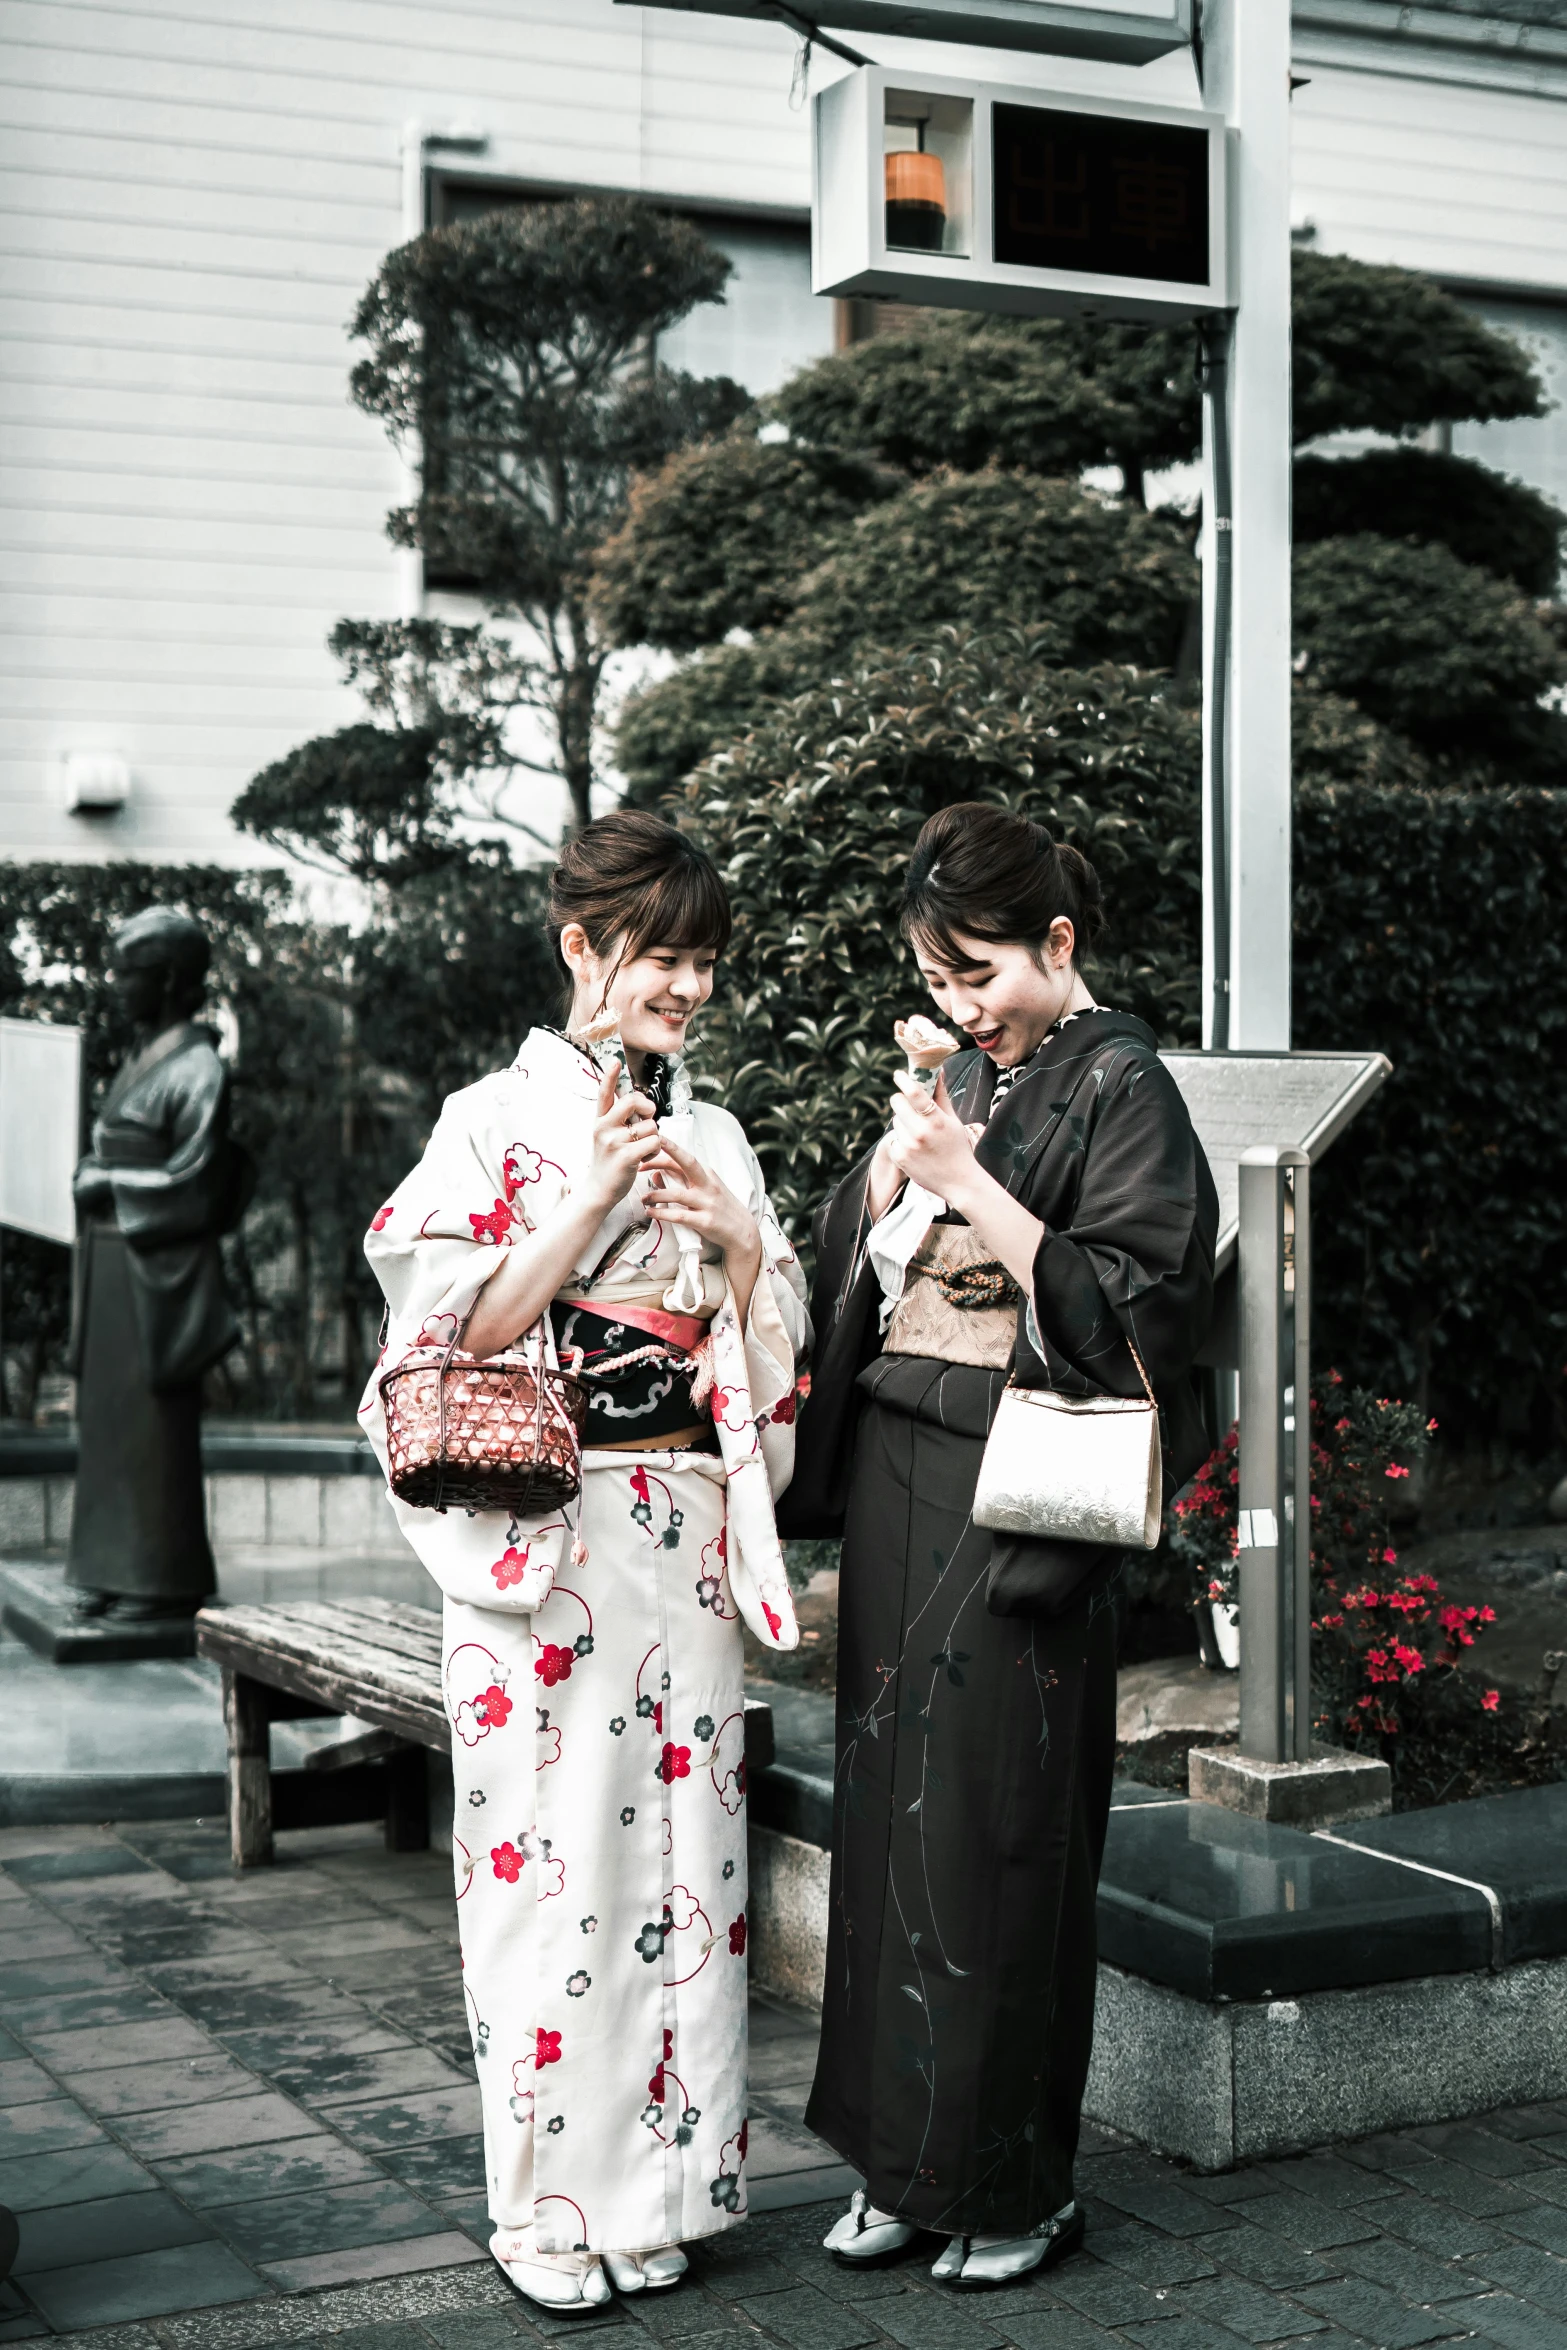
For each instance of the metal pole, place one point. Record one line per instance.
(1264, 1622)
(1246, 977)
(1300, 1660)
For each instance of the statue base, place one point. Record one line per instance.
(36, 1606)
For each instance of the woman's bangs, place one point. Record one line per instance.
(686, 908)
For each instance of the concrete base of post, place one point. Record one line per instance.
(1333, 1786)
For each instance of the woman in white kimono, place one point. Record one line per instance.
(593, 1655)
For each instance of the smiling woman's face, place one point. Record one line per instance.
(1005, 997)
(655, 993)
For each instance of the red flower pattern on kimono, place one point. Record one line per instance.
(676, 1763)
(508, 1862)
(548, 2049)
(737, 1937)
(492, 1706)
(495, 1226)
(511, 1566)
(382, 1217)
(520, 1166)
(553, 1664)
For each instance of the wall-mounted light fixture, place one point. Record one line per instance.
(95, 783)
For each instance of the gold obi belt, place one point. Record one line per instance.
(959, 1304)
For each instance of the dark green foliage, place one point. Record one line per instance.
(346, 1048)
(712, 701)
(513, 351)
(1111, 582)
(366, 799)
(812, 819)
(1484, 519)
(718, 539)
(1433, 926)
(961, 392)
(1333, 742)
(1382, 350)
(1452, 657)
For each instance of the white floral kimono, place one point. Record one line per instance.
(593, 1669)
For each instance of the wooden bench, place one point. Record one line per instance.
(370, 1658)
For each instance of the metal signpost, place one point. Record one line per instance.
(1265, 1119)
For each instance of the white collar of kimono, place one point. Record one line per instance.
(549, 1054)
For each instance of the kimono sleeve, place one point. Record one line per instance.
(777, 1334)
(158, 1206)
(448, 1225)
(1136, 1261)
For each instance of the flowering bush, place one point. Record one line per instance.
(1381, 1639)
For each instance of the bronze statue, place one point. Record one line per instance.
(161, 1183)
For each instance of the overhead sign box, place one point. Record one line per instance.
(981, 196)
(1124, 32)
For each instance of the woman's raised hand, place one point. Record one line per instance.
(927, 1143)
(625, 1137)
(683, 1191)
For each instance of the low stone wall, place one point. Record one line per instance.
(243, 1512)
(1238, 2081)
(788, 1916)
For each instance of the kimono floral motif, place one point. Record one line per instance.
(737, 1937)
(382, 1217)
(495, 1227)
(511, 1566)
(579, 1612)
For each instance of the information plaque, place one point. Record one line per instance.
(40, 1126)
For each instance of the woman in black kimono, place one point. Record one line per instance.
(1046, 1205)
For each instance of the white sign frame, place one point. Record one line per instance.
(40, 1126)
(1119, 32)
(849, 250)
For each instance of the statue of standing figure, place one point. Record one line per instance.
(160, 1185)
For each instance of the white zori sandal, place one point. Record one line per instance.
(556, 2280)
(645, 2272)
(865, 2234)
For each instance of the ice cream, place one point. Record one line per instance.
(926, 1046)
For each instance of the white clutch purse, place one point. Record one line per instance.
(1073, 1469)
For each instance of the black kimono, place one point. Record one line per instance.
(976, 1676)
(162, 1183)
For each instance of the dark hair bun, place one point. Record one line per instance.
(986, 872)
(631, 878)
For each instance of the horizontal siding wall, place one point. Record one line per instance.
(192, 198)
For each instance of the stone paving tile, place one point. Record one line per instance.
(1467, 2190)
(406, 2121)
(1314, 2226)
(373, 2260)
(1499, 2317)
(1107, 2296)
(115, 2224)
(145, 2088)
(1161, 2261)
(1180, 2333)
(201, 2129)
(81, 2174)
(286, 2227)
(1359, 2307)
(237, 2174)
(142, 2284)
(1248, 2310)
(22, 2082)
(1436, 2227)
(1534, 2275)
(44, 2127)
(1149, 2191)
(1055, 2329)
(1415, 2276)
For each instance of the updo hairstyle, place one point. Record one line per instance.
(631, 877)
(988, 873)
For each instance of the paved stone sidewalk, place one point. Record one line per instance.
(273, 2073)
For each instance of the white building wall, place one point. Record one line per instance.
(191, 200)
(194, 192)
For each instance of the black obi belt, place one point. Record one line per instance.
(642, 1400)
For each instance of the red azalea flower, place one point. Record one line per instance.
(553, 1664)
(737, 1937)
(510, 1568)
(676, 1764)
(1395, 1471)
(494, 1226)
(508, 1862)
(1491, 1700)
(548, 2051)
(493, 1707)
